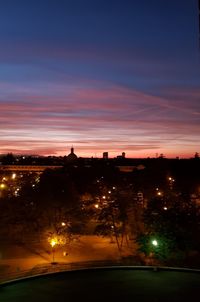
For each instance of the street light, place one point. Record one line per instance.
(154, 242)
(53, 243)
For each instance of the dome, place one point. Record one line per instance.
(72, 156)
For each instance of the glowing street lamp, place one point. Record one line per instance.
(53, 243)
(154, 242)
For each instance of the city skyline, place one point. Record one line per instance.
(106, 76)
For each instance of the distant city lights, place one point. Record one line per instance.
(14, 175)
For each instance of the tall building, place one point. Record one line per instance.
(105, 155)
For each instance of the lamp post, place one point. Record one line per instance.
(53, 242)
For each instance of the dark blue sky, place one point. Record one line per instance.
(114, 75)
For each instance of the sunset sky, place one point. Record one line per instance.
(101, 75)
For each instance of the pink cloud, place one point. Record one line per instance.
(113, 118)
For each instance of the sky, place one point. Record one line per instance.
(100, 75)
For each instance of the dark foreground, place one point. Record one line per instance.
(106, 285)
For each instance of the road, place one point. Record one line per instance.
(15, 258)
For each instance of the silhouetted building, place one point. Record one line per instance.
(105, 155)
(72, 156)
(121, 156)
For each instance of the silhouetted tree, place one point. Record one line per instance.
(174, 221)
(8, 159)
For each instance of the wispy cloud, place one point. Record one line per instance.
(94, 118)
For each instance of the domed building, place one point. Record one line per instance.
(72, 156)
